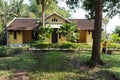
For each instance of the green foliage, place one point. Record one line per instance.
(65, 45)
(53, 7)
(4, 51)
(57, 65)
(117, 30)
(8, 51)
(3, 39)
(69, 30)
(115, 38)
(45, 32)
(113, 45)
(109, 6)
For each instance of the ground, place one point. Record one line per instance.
(58, 65)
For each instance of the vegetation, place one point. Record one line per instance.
(69, 30)
(8, 51)
(10, 64)
(65, 45)
(45, 32)
(61, 65)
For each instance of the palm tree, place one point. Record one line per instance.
(44, 3)
(8, 9)
(69, 31)
(45, 32)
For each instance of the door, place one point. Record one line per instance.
(55, 36)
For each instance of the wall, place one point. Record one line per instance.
(18, 39)
(82, 37)
(62, 39)
(89, 39)
(27, 36)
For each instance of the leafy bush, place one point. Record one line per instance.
(16, 50)
(5, 51)
(41, 45)
(114, 45)
(8, 51)
(68, 45)
(83, 45)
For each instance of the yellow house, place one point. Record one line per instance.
(22, 30)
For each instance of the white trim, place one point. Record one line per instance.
(57, 15)
(11, 21)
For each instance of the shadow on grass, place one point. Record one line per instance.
(105, 75)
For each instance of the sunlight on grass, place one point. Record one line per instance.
(58, 76)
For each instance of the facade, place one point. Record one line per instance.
(23, 30)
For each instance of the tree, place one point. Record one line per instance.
(111, 7)
(68, 30)
(53, 7)
(117, 30)
(44, 4)
(8, 9)
(45, 32)
(95, 58)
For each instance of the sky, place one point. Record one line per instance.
(80, 14)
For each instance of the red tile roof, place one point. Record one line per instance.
(22, 24)
(84, 24)
(29, 24)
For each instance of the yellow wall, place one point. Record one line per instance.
(89, 37)
(27, 36)
(62, 39)
(82, 37)
(11, 39)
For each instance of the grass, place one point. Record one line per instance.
(57, 65)
(10, 64)
(61, 66)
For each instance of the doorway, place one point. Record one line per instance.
(55, 36)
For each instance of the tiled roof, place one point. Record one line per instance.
(22, 24)
(84, 24)
(30, 24)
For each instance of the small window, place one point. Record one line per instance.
(15, 35)
(59, 36)
(18, 32)
(54, 20)
(88, 32)
(10, 32)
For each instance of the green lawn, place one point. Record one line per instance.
(57, 65)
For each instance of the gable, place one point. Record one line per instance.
(56, 18)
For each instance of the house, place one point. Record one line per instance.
(23, 30)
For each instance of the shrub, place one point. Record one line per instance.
(114, 45)
(8, 51)
(69, 45)
(16, 50)
(5, 51)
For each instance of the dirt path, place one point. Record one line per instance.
(18, 75)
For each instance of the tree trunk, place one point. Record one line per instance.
(97, 33)
(43, 15)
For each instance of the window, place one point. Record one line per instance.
(54, 20)
(18, 32)
(59, 36)
(10, 32)
(15, 35)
